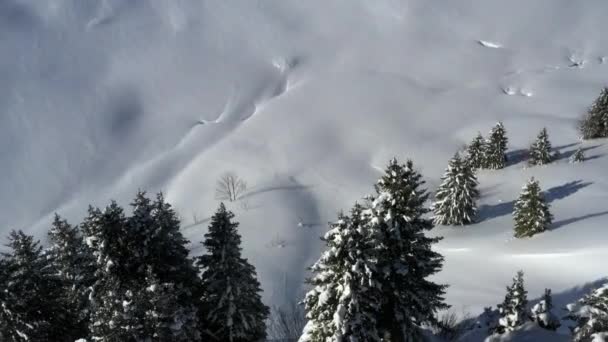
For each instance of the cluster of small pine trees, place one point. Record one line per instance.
(490, 153)
(130, 278)
(513, 312)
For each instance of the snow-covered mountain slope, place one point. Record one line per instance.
(307, 101)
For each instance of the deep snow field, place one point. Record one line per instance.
(307, 101)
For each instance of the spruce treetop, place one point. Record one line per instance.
(594, 123)
(531, 212)
(231, 298)
(405, 255)
(513, 309)
(495, 151)
(540, 151)
(475, 151)
(455, 199)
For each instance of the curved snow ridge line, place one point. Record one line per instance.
(489, 44)
(244, 105)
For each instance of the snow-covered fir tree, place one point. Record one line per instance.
(128, 250)
(531, 212)
(513, 308)
(590, 315)
(166, 319)
(578, 156)
(75, 267)
(542, 312)
(455, 201)
(32, 306)
(110, 296)
(540, 151)
(343, 304)
(232, 306)
(594, 123)
(495, 148)
(405, 256)
(475, 152)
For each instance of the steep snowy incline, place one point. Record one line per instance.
(307, 101)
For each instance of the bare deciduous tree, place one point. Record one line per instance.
(230, 187)
(286, 323)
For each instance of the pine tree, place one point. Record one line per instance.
(540, 151)
(542, 313)
(31, 305)
(578, 156)
(531, 213)
(110, 296)
(513, 309)
(455, 199)
(405, 255)
(495, 152)
(165, 318)
(342, 306)
(129, 252)
(169, 254)
(75, 268)
(233, 310)
(595, 122)
(590, 315)
(475, 152)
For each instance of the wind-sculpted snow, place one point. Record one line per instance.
(307, 101)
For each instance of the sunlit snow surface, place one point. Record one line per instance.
(307, 101)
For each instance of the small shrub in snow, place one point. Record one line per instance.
(578, 156)
(531, 213)
(230, 187)
(542, 313)
(513, 309)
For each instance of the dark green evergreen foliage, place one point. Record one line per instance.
(169, 257)
(578, 156)
(343, 304)
(75, 267)
(475, 152)
(495, 152)
(513, 308)
(31, 302)
(531, 212)
(594, 124)
(232, 306)
(590, 315)
(405, 256)
(542, 313)
(129, 251)
(165, 318)
(457, 194)
(540, 151)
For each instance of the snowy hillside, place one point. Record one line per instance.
(307, 101)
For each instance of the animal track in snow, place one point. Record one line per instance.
(489, 44)
(515, 91)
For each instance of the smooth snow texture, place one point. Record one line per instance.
(306, 100)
